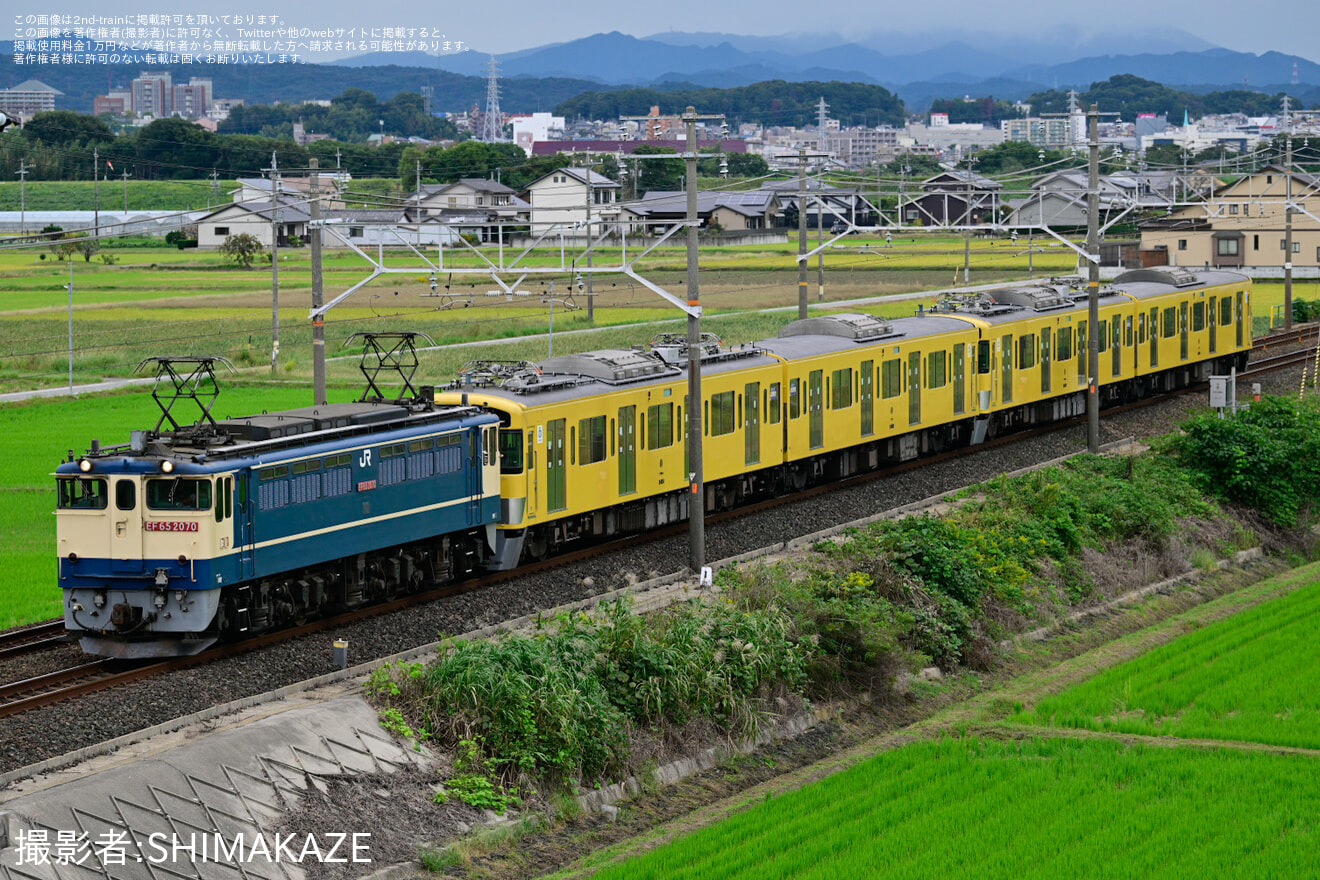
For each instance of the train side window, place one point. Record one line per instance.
(1141, 328)
(660, 426)
(1063, 343)
(891, 378)
(572, 444)
(1169, 323)
(82, 494)
(1127, 332)
(1026, 351)
(125, 495)
(842, 389)
(937, 369)
(794, 398)
(983, 356)
(228, 497)
(219, 499)
(1104, 336)
(773, 408)
(592, 439)
(1226, 311)
(722, 414)
(1198, 316)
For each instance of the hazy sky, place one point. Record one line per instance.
(1289, 26)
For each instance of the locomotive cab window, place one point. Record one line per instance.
(82, 494)
(179, 494)
(125, 495)
(511, 444)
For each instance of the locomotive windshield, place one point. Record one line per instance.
(82, 493)
(511, 457)
(179, 494)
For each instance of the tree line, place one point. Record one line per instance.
(770, 103)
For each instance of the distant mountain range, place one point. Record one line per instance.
(916, 67)
(1016, 66)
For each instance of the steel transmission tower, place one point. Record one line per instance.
(492, 123)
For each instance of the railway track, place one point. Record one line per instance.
(88, 678)
(31, 639)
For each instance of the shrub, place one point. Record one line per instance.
(1267, 457)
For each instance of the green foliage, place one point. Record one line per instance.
(1267, 457)
(774, 102)
(559, 705)
(658, 174)
(352, 117)
(472, 782)
(1129, 95)
(986, 111)
(242, 248)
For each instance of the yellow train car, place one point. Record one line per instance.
(1189, 325)
(863, 390)
(594, 444)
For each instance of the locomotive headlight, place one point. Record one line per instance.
(98, 598)
(167, 467)
(85, 465)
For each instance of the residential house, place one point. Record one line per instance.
(1059, 200)
(1242, 225)
(330, 183)
(563, 199)
(729, 211)
(255, 218)
(954, 198)
(825, 204)
(473, 205)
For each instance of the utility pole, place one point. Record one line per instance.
(274, 170)
(820, 248)
(96, 191)
(1093, 282)
(318, 322)
(1288, 234)
(591, 298)
(22, 174)
(802, 233)
(697, 476)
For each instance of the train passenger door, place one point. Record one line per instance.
(815, 409)
(1006, 366)
(1182, 329)
(1154, 337)
(752, 423)
(1212, 322)
(1046, 363)
(556, 493)
(1116, 344)
(866, 394)
(959, 380)
(1239, 307)
(914, 388)
(627, 450)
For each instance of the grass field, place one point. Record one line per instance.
(1249, 678)
(1040, 808)
(1007, 798)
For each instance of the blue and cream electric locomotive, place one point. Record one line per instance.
(226, 528)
